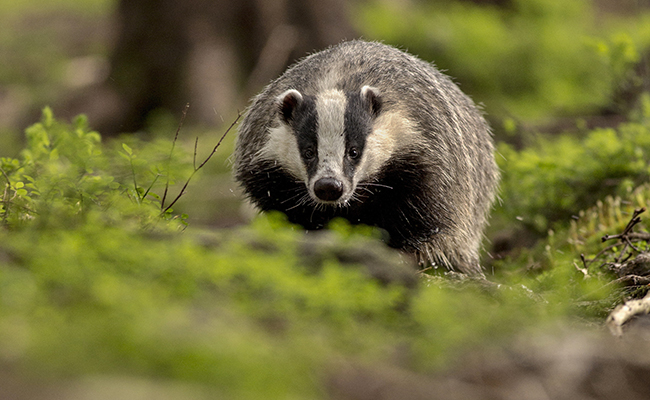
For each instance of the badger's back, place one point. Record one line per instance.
(426, 173)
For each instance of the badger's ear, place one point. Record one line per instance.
(287, 104)
(372, 98)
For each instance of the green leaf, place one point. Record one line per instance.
(48, 117)
(54, 154)
(128, 150)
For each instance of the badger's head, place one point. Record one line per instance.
(328, 141)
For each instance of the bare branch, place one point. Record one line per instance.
(600, 253)
(625, 312)
(178, 130)
(151, 186)
(196, 145)
(214, 150)
(627, 236)
(628, 228)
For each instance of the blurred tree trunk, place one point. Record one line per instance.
(213, 54)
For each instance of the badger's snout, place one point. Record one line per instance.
(328, 189)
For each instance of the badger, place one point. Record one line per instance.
(372, 134)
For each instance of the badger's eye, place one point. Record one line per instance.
(353, 153)
(308, 154)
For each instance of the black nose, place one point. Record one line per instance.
(328, 189)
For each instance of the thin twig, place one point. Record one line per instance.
(625, 236)
(585, 270)
(196, 169)
(622, 253)
(600, 253)
(626, 239)
(639, 236)
(178, 130)
(628, 228)
(214, 150)
(150, 186)
(135, 183)
(196, 145)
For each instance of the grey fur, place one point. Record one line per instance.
(445, 134)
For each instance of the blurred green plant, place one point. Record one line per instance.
(556, 177)
(59, 162)
(526, 59)
(589, 244)
(88, 288)
(65, 173)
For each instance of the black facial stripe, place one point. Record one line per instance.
(305, 127)
(358, 125)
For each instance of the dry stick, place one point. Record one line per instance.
(627, 236)
(600, 253)
(629, 242)
(624, 237)
(623, 250)
(625, 312)
(639, 236)
(196, 169)
(169, 160)
(633, 221)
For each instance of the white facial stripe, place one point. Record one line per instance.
(330, 107)
(283, 147)
(390, 132)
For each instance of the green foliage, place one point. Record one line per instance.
(96, 280)
(525, 60)
(59, 162)
(244, 319)
(64, 176)
(555, 178)
(87, 288)
(92, 7)
(553, 261)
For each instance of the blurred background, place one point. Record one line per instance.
(99, 305)
(537, 67)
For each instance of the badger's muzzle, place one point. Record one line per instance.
(328, 189)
